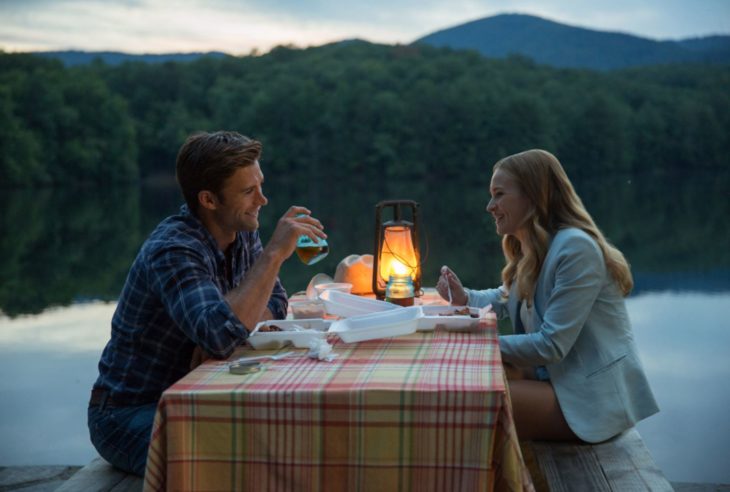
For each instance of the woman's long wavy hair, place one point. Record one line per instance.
(555, 205)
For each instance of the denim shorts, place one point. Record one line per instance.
(541, 373)
(122, 435)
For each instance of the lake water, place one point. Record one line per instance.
(63, 266)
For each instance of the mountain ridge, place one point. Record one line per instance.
(80, 57)
(542, 40)
(561, 45)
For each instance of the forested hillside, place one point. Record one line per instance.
(356, 111)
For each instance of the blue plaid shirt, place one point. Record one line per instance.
(172, 301)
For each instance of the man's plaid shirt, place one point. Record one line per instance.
(172, 301)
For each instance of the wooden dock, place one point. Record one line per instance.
(100, 476)
(34, 478)
(622, 464)
(619, 464)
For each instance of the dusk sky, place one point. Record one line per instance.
(238, 27)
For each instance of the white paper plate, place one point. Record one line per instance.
(267, 340)
(391, 323)
(444, 316)
(346, 305)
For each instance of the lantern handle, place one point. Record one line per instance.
(397, 206)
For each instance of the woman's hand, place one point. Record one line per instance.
(448, 281)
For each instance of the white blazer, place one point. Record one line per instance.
(582, 336)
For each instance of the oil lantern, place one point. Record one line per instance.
(396, 245)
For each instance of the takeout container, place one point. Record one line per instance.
(336, 286)
(346, 305)
(311, 329)
(385, 324)
(307, 309)
(446, 317)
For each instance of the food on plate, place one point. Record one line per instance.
(270, 328)
(460, 312)
(307, 309)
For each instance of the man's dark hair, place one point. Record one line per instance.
(207, 160)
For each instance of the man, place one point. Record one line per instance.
(201, 280)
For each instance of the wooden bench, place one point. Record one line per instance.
(620, 464)
(100, 476)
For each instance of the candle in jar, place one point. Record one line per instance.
(399, 290)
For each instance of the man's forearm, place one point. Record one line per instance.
(249, 301)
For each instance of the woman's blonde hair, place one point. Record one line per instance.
(555, 205)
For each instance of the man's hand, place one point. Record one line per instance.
(296, 222)
(249, 299)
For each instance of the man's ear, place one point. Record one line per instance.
(207, 199)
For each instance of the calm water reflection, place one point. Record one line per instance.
(48, 362)
(67, 248)
(683, 339)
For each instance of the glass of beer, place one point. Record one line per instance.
(310, 252)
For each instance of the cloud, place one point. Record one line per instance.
(140, 27)
(237, 27)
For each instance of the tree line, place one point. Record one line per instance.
(356, 111)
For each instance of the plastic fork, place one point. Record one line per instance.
(448, 283)
(246, 360)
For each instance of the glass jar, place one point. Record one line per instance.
(399, 290)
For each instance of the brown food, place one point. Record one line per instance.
(270, 328)
(458, 312)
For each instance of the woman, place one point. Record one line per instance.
(572, 364)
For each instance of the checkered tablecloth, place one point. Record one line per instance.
(424, 412)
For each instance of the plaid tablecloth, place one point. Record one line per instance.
(424, 412)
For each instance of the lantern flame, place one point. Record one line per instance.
(398, 269)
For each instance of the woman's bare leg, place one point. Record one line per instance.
(516, 372)
(537, 412)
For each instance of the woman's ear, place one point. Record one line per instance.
(208, 200)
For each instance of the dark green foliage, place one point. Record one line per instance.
(66, 247)
(357, 112)
(61, 125)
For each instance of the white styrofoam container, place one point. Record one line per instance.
(434, 316)
(266, 340)
(391, 323)
(346, 305)
(307, 308)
